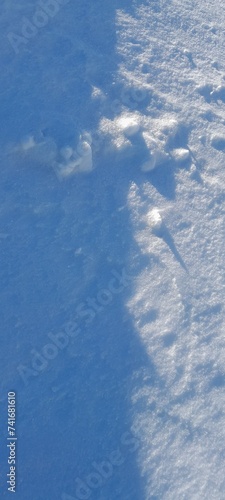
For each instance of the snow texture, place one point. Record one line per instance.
(112, 248)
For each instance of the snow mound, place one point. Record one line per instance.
(129, 125)
(158, 137)
(154, 220)
(180, 155)
(150, 164)
(75, 161)
(157, 155)
(169, 127)
(166, 129)
(66, 153)
(66, 162)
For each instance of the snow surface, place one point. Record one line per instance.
(112, 248)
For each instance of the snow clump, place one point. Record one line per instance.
(154, 220)
(180, 155)
(129, 125)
